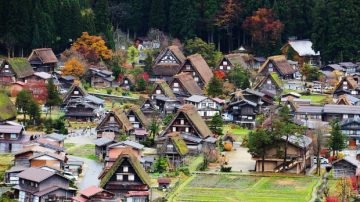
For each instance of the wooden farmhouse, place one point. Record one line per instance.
(94, 193)
(235, 60)
(168, 63)
(12, 137)
(301, 51)
(114, 124)
(102, 78)
(346, 167)
(183, 85)
(43, 60)
(197, 67)
(279, 65)
(271, 83)
(348, 85)
(161, 88)
(15, 69)
(191, 127)
(207, 107)
(127, 179)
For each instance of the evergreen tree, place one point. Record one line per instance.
(34, 111)
(337, 139)
(239, 78)
(181, 26)
(158, 15)
(22, 102)
(214, 87)
(102, 16)
(258, 143)
(217, 124)
(53, 95)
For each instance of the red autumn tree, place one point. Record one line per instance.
(219, 74)
(144, 75)
(263, 28)
(38, 90)
(332, 199)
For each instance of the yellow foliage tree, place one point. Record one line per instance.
(73, 67)
(92, 48)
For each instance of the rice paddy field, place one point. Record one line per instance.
(246, 188)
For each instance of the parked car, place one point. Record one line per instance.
(323, 160)
(70, 176)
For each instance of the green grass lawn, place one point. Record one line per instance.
(246, 188)
(236, 130)
(84, 151)
(6, 161)
(315, 99)
(195, 162)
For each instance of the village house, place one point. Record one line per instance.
(244, 105)
(347, 99)
(148, 107)
(117, 148)
(43, 60)
(66, 82)
(102, 78)
(258, 62)
(233, 60)
(12, 137)
(351, 128)
(174, 147)
(161, 88)
(348, 85)
(114, 124)
(168, 63)
(298, 154)
(101, 145)
(349, 67)
(42, 76)
(37, 184)
(139, 122)
(48, 159)
(302, 51)
(197, 67)
(191, 127)
(166, 105)
(183, 85)
(128, 81)
(15, 69)
(22, 157)
(94, 194)
(206, 106)
(126, 179)
(81, 106)
(346, 167)
(279, 65)
(270, 83)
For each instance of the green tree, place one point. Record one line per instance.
(337, 138)
(206, 50)
(133, 55)
(166, 121)
(34, 111)
(141, 84)
(161, 165)
(53, 96)
(239, 78)
(258, 143)
(22, 102)
(154, 128)
(215, 87)
(216, 124)
(183, 18)
(158, 14)
(102, 16)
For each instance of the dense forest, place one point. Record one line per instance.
(261, 26)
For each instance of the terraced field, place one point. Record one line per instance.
(246, 188)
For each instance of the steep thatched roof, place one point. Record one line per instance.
(189, 84)
(179, 143)
(81, 90)
(120, 116)
(134, 162)
(21, 67)
(140, 115)
(201, 67)
(165, 87)
(45, 55)
(7, 108)
(280, 62)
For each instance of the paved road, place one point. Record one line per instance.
(90, 174)
(240, 159)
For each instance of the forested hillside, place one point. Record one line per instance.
(260, 25)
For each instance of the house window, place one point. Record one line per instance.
(119, 177)
(158, 92)
(187, 67)
(225, 63)
(194, 73)
(235, 107)
(111, 118)
(131, 118)
(211, 104)
(176, 89)
(36, 184)
(182, 122)
(6, 66)
(174, 129)
(250, 117)
(345, 82)
(229, 67)
(271, 69)
(170, 147)
(147, 105)
(221, 67)
(354, 92)
(356, 116)
(1, 136)
(196, 79)
(203, 104)
(125, 169)
(344, 87)
(13, 136)
(345, 116)
(176, 84)
(32, 184)
(186, 129)
(268, 81)
(76, 92)
(126, 81)
(131, 177)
